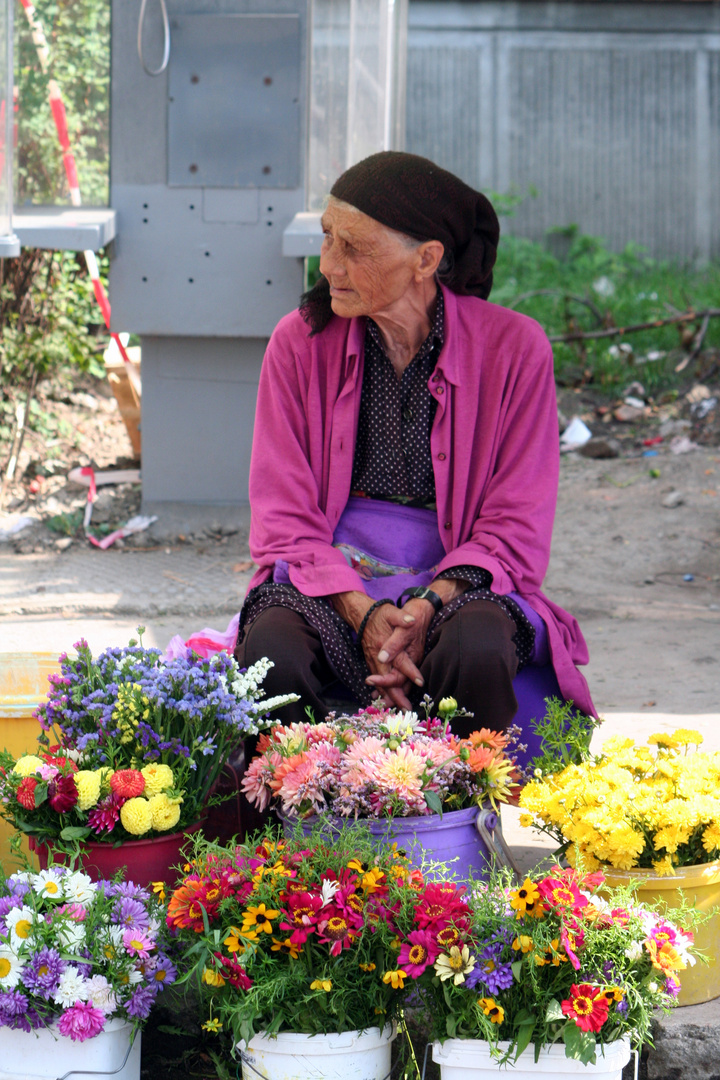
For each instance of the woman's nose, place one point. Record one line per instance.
(329, 261)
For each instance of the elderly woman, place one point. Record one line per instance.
(405, 463)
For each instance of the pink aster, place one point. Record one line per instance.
(81, 1021)
(105, 816)
(419, 951)
(138, 943)
(73, 911)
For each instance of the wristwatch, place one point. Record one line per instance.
(417, 592)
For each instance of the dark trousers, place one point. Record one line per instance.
(472, 658)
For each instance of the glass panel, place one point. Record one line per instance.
(77, 33)
(357, 96)
(5, 122)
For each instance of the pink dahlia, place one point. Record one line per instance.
(256, 781)
(81, 1021)
(105, 816)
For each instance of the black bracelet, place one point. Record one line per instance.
(416, 592)
(366, 616)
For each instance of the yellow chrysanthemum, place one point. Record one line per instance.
(27, 765)
(136, 816)
(687, 737)
(158, 777)
(165, 812)
(87, 783)
(711, 838)
(664, 867)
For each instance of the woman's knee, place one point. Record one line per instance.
(480, 634)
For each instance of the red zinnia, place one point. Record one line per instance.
(26, 792)
(587, 1006)
(128, 783)
(62, 794)
(235, 974)
(55, 755)
(559, 893)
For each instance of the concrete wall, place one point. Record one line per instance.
(611, 110)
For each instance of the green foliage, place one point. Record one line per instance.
(47, 314)
(78, 37)
(565, 734)
(575, 283)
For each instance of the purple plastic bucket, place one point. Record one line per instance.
(452, 839)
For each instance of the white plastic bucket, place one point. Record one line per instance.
(470, 1059)
(46, 1055)
(351, 1055)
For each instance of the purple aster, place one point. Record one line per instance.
(12, 1003)
(131, 913)
(622, 1007)
(130, 889)
(163, 973)
(43, 972)
(490, 972)
(141, 1002)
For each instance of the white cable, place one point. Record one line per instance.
(166, 36)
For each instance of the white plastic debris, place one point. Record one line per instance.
(12, 524)
(134, 525)
(577, 433)
(682, 445)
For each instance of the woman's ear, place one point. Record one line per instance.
(430, 256)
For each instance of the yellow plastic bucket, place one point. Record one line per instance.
(23, 686)
(700, 886)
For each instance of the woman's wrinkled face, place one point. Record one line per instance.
(368, 266)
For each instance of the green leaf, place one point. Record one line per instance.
(516, 968)
(554, 1011)
(433, 801)
(75, 832)
(525, 1034)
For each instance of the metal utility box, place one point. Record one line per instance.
(230, 119)
(207, 165)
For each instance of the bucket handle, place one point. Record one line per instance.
(488, 826)
(105, 1072)
(245, 1060)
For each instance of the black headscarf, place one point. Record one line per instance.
(416, 197)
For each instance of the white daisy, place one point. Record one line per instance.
(11, 968)
(48, 883)
(20, 923)
(71, 988)
(79, 888)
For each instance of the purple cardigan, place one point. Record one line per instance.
(495, 455)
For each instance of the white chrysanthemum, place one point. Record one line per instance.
(101, 994)
(20, 922)
(113, 935)
(79, 888)
(401, 724)
(71, 935)
(11, 968)
(71, 988)
(22, 877)
(634, 951)
(135, 976)
(48, 883)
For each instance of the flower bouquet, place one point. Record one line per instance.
(655, 807)
(554, 961)
(378, 763)
(139, 743)
(301, 935)
(76, 954)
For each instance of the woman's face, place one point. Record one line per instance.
(368, 266)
